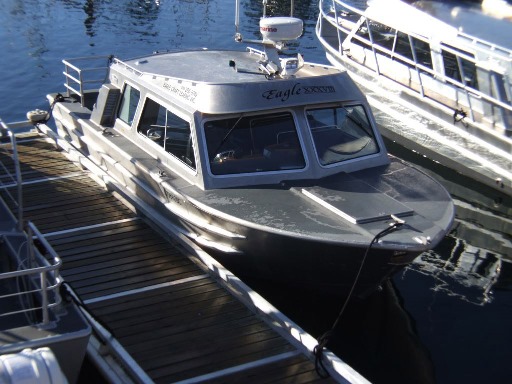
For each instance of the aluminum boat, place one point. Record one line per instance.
(272, 164)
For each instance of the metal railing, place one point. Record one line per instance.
(78, 74)
(33, 279)
(338, 6)
(36, 280)
(9, 179)
(129, 67)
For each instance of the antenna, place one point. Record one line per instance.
(237, 16)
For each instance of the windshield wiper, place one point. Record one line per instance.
(228, 134)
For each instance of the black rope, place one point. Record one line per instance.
(324, 339)
(459, 115)
(68, 294)
(58, 98)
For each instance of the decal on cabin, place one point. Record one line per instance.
(296, 90)
(182, 91)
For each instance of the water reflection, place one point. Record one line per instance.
(139, 15)
(376, 336)
(465, 272)
(470, 261)
(89, 20)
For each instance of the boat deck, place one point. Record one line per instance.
(166, 319)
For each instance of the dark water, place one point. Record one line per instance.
(446, 319)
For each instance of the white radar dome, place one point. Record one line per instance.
(280, 28)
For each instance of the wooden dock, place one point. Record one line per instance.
(163, 311)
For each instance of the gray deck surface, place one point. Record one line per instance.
(172, 318)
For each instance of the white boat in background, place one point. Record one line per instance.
(446, 69)
(274, 165)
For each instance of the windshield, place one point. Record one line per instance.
(341, 133)
(247, 144)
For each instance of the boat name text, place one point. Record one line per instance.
(297, 90)
(182, 91)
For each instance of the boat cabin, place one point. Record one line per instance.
(225, 123)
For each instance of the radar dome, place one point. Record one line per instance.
(276, 29)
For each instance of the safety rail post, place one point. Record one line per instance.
(338, 32)
(415, 59)
(54, 269)
(466, 91)
(67, 76)
(17, 170)
(44, 297)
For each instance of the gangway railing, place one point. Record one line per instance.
(34, 279)
(8, 179)
(83, 74)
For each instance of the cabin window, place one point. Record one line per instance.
(459, 68)
(395, 42)
(383, 36)
(248, 144)
(422, 52)
(402, 48)
(362, 37)
(129, 102)
(341, 133)
(167, 130)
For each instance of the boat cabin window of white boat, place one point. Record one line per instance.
(129, 103)
(459, 66)
(341, 133)
(412, 51)
(394, 44)
(168, 130)
(248, 144)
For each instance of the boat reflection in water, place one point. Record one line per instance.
(470, 273)
(475, 257)
(457, 295)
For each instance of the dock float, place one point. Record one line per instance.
(162, 310)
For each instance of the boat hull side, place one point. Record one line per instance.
(305, 263)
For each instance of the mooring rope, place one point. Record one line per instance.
(324, 338)
(58, 98)
(68, 294)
